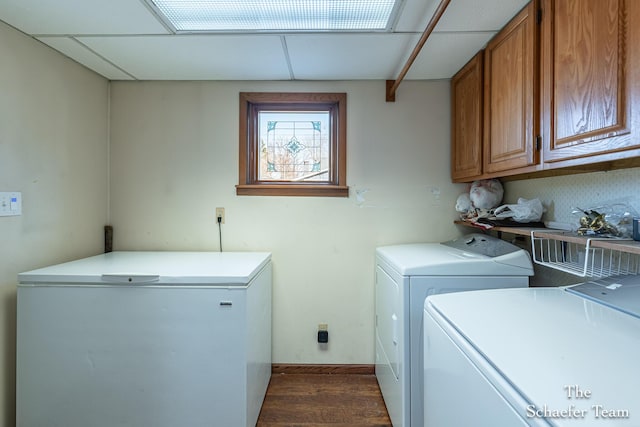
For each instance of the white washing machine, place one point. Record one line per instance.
(534, 357)
(405, 276)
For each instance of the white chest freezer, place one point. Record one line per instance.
(145, 339)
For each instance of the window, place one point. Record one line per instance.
(293, 144)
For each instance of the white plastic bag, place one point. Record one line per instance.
(486, 193)
(524, 211)
(463, 203)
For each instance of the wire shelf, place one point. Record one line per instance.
(581, 256)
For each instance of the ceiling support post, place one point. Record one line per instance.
(392, 85)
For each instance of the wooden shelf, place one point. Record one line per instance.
(520, 231)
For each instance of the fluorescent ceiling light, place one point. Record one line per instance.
(277, 15)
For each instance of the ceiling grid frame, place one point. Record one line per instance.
(125, 40)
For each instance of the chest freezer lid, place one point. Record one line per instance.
(543, 340)
(471, 255)
(154, 268)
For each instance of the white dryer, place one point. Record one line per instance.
(534, 357)
(405, 276)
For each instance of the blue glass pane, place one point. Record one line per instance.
(294, 146)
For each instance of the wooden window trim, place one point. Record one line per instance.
(249, 185)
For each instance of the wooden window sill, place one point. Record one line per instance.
(304, 190)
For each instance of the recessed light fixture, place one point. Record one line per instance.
(277, 15)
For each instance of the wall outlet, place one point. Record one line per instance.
(323, 337)
(220, 214)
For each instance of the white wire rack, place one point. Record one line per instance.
(585, 257)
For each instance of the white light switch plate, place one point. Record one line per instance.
(10, 203)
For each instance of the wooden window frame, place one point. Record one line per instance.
(251, 103)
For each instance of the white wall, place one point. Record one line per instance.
(174, 159)
(53, 148)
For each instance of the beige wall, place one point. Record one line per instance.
(53, 148)
(174, 157)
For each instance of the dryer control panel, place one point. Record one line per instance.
(482, 244)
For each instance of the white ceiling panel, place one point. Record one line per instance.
(191, 57)
(78, 52)
(445, 53)
(69, 17)
(347, 56)
(415, 15)
(475, 15)
(460, 15)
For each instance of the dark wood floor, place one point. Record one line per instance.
(333, 400)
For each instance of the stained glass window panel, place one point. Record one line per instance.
(294, 146)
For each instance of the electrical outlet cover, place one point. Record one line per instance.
(10, 203)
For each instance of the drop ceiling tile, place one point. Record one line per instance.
(460, 15)
(195, 57)
(445, 53)
(79, 53)
(69, 17)
(415, 15)
(474, 15)
(347, 56)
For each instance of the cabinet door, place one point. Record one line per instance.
(511, 94)
(466, 114)
(585, 78)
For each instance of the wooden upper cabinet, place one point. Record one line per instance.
(587, 61)
(511, 94)
(466, 113)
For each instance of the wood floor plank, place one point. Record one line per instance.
(323, 400)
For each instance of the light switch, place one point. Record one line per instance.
(10, 203)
